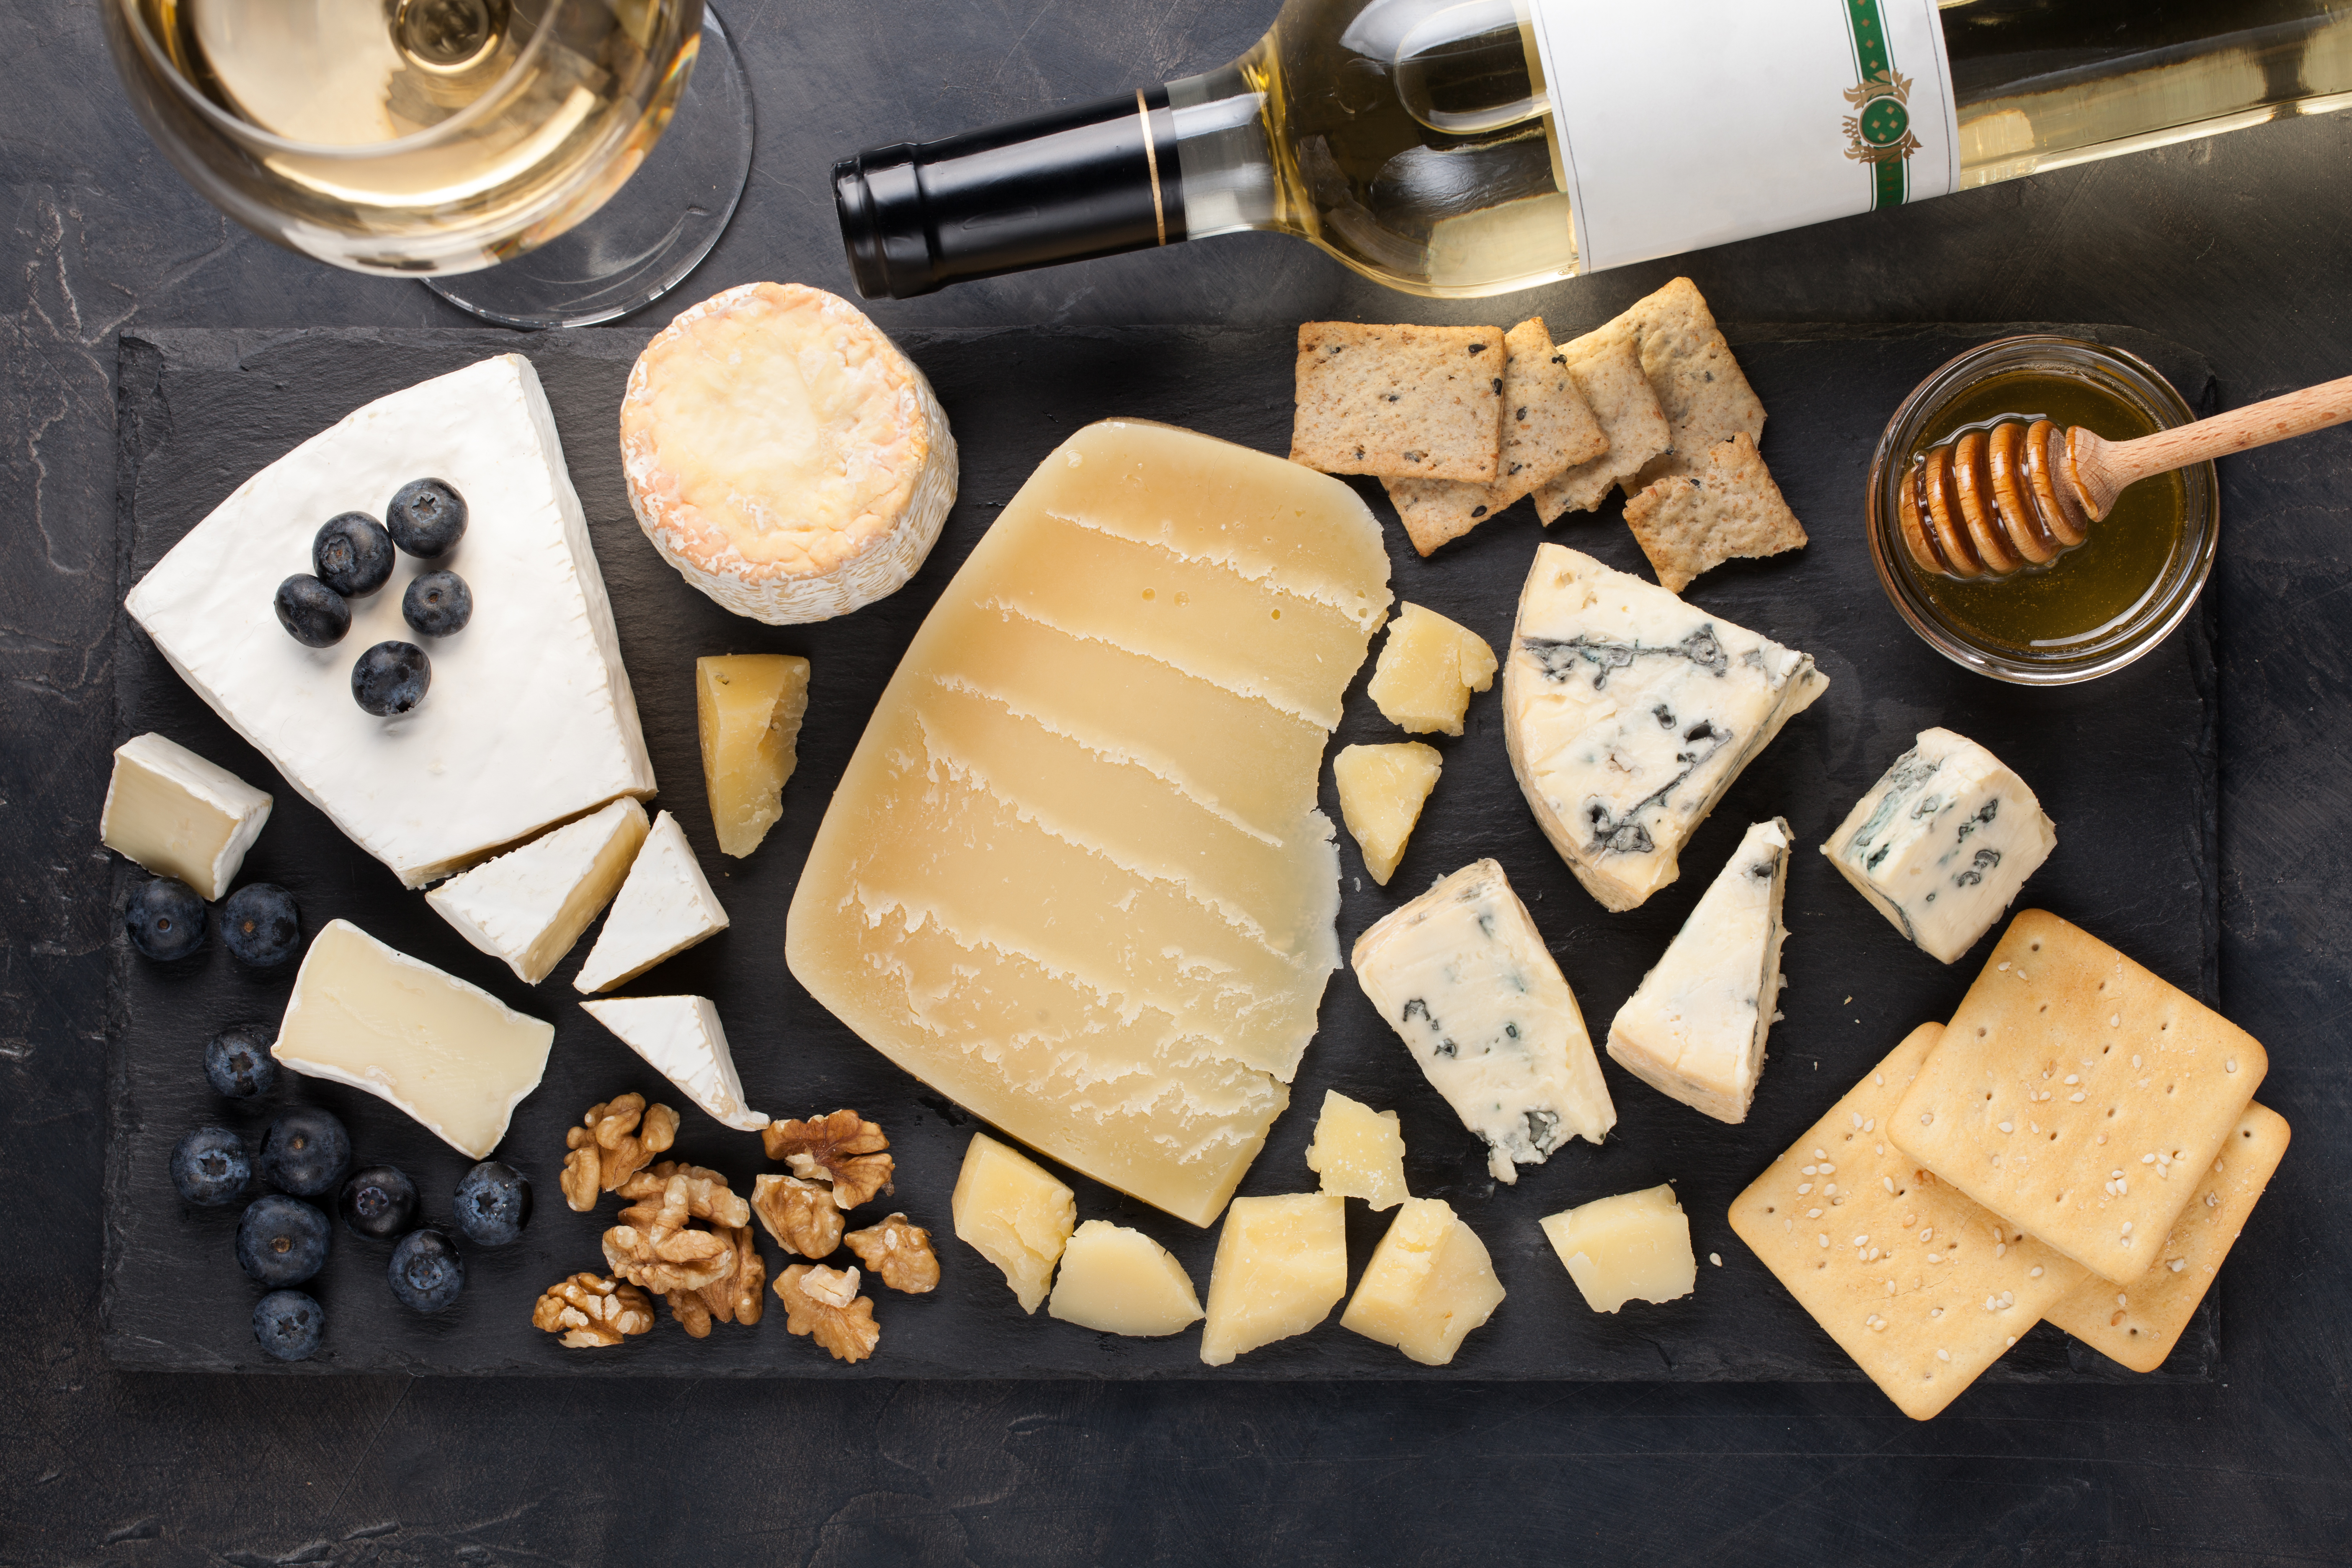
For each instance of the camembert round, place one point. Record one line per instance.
(784, 455)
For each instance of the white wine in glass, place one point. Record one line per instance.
(425, 138)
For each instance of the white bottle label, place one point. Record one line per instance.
(1687, 123)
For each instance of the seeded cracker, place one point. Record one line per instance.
(1688, 524)
(1608, 372)
(1422, 402)
(2140, 1324)
(2080, 1096)
(1705, 395)
(1922, 1288)
(1547, 427)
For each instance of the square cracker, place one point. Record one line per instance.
(2140, 1324)
(1922, 1288)
(1547, 427)
(1422, 403)
(2078, 1096)
(1706, 394)
(1608, 370)
(1688, 524)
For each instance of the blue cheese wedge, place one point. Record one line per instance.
(680, 1037)
(1628, 713)
(664, 907)
(1695, 1028)
(1463, 977)
(1944, 843)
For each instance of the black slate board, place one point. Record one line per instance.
(2126, 766)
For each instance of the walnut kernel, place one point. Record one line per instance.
(591, 1310)
(900, 1251)
(849, 1331)
(613, 1142)
(739, 1297)
(842, 1146)
(801, 1216)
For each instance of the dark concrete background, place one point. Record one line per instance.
(2236, 247)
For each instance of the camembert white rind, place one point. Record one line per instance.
(530, 720)
(680, 1037)
(664, 907)
(1627, 714)
(1075, 877)
(1943, 843)
(1462, 976)
(528, 906)
(1695, 1028)
(784, 455)
(180, 815)
(452, 1056)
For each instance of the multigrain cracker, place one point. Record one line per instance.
(2080, 1096)
(1608, 370)
(1688, 524)
(1921, 1287)
(1414, 401)
(2138, 1324)
(1705, 394)
(1547, 427)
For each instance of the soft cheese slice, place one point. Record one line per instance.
(1430, 1282)
(1631, 1246)
(1359, 1151)
(1627, 714)
(1381, 791)
(1281, 1266)
(530, 720)
(1115, 1280)
(528, 906)
(1075, 877)
(681, 1038)
(1010, 1211)
(1463, 977)
(1943, 843)
(452, 1056)
(748, 710)
(1695, 1028)
(180, 815)
(664, 907)
(784, 455)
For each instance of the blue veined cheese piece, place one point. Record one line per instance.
(1942, 844)
(1628, 713)
(1462, 976)
(1695, 1028)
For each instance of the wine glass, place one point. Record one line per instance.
(467, 142)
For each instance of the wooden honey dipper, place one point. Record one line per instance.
(2019, 491)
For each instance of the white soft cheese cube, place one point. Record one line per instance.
(664, 907)
(180, 815)
(1117, 1280)
(680, 1037)
(530, 906)
(1633, 1247)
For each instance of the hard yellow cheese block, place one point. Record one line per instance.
(748, 707)
(1075, 877)
(454, 1058)
(1381, 791)
(1430, 1282)
(1633, 1246)
(1115, 1280)
(1010, 1211)
(180, 815)
(1357, 1152)
(1281, 1266)
(1427, 670)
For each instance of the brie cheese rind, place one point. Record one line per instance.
(664, 907)
(451, 1055)
(782, 454)
(1628, 713)
(1462, 976)
(180, 815)
(528, 907)
(681, 1038)
(1694, 1027)
(530, 720)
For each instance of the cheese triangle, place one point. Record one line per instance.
(681, 1038)
(530, 905)
(664, 907)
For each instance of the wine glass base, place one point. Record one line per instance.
(654, 231)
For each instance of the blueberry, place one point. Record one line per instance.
(210, 1167)
(391, 678)
(352, 554)
(165, 919)
(426, 1272)
(281, 1241)
(438, 603)
(493, 1203)
(313, 613)
(289, 1323)
(261, 925)
(238, 1060)
(427, 517)
(306, 1152)
(380, 1202)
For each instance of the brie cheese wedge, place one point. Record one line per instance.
(680, 1037)
(528, 906)
(664, 907)
(530, 720)
(180, 815)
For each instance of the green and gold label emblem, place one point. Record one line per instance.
(1878, 132)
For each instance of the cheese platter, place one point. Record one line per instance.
(2124, 765)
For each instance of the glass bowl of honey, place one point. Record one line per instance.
(2095, 608)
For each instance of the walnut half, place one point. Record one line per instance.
(613, 1142)
(655, 1244)
(899, 1250)
(591, 1312)
(801, 1216)
(829, 1309)
(847, 1149)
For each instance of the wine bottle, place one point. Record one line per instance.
(1471, 147)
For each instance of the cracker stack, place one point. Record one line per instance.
(2079, 1143)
